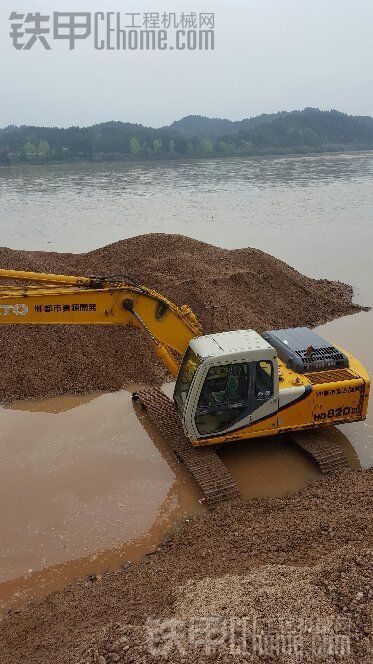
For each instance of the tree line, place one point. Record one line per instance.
(297, 132)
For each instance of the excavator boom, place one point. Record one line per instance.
(50, 299)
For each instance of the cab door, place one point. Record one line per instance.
(263, 389)
(233, 396)
(223, 399)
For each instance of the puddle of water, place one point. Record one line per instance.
(273, 467)
(268, 467)
(52, 404)
(80, 476)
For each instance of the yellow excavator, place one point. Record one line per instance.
(230, 386)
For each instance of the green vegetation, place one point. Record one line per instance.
(298, 132)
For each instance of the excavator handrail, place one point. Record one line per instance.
(44, 277)
(49, 278)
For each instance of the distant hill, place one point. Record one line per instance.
(310, 130)
(199, 125)
(195, 136)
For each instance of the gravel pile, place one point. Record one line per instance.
(242, 288)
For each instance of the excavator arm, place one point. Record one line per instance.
(50, 299)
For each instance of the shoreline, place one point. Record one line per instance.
(185, 160)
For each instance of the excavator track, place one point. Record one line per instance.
(203, 463)
(327, 454)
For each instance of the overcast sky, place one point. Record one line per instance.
(269, 55)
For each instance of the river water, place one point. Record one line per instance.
(313, 212)
(85, 482)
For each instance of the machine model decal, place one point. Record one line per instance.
(16, 309)
(336, 412)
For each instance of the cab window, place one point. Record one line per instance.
(224, 397)
(264, 380)
(188, 368)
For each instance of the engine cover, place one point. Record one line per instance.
(302, 350)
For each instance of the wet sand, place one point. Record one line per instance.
(305, 558)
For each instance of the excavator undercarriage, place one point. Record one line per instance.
(204, 464)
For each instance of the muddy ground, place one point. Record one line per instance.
(281, 580)
(242, 288)
(305, 558)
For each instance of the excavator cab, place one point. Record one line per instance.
(226, 381)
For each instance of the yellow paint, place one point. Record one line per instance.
(171, 327)
(335, 402)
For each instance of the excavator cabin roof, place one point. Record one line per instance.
(224, 343)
